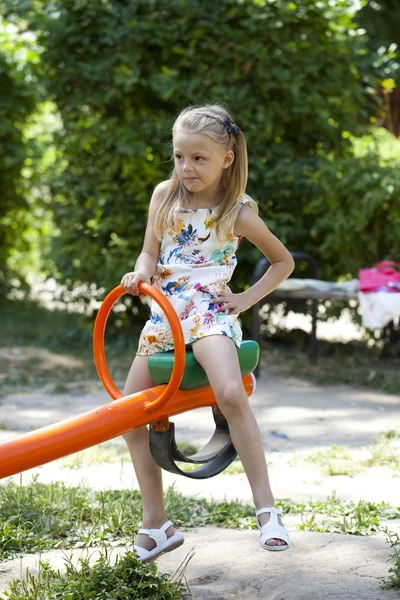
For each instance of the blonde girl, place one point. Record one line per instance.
(196, 220)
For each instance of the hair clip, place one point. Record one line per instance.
(231, 127)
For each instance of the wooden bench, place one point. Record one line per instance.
(312, 297)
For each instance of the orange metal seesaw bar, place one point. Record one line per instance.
(115, 418)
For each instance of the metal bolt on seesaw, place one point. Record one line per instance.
(179, 390)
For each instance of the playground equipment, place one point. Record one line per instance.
(178, 390)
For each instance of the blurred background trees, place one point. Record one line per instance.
(90, 91)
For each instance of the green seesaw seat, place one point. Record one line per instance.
(219, 453)
(161, 365)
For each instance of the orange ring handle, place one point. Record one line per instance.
(177, 334)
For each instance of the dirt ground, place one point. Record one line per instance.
(297, 419)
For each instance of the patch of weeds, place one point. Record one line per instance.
(39, 517)
(391, 434)
(337, 460)
(355, 519)
(3, 427)
(383, 454)
(393, 540)
(347, 517)
(16, 379)
(126, 579)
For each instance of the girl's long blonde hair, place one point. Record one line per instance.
(208, 120)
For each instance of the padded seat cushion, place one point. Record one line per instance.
(161, 365)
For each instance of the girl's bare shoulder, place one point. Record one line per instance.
(161, 189)
(246, 219)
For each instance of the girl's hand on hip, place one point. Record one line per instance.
(233, 304)
(131, 280)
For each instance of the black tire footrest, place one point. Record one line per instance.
(216, 456)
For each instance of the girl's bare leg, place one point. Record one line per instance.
(217, 355)
(147, 471)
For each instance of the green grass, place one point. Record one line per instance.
(338, 460)
(353, 364)
(355, 519)
(39, 517)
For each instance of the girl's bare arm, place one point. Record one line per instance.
(146, 263)
(251, 226)
(248, 224)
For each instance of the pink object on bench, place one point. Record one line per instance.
(382, 277)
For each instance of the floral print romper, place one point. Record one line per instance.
(194, 267)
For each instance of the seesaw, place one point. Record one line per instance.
(179, 389)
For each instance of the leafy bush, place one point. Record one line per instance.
(17, 102)
(295, 75)
(356, 207)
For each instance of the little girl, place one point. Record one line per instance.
(196, 220)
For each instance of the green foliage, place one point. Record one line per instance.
(295, 75)
(381, 19)
(356, 209)
(39, 517)
(111, 78)
(17, 101)
(124, 579)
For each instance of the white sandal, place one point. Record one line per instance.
(163, 543)
(272, 529)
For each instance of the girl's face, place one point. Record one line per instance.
(199, 161)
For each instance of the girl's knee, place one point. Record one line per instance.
(231, 398)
